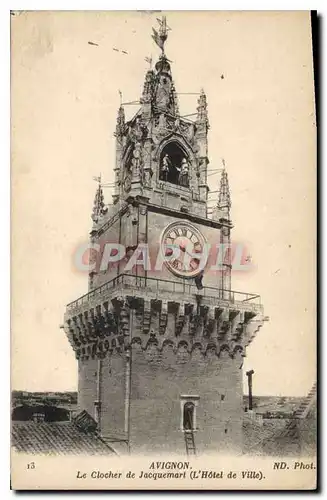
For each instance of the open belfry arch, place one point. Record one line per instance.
(161, 350)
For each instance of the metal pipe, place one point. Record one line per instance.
(98, 400)
(128, 381)
(249, 376)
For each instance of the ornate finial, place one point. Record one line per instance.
(98, 206)
(120, 126)
(224, 201)
(161, 36)
(175, 100)
(148, 87)
(202, 108)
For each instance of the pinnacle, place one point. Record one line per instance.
(224, 201)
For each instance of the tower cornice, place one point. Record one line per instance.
(99, 322)
(164, 210)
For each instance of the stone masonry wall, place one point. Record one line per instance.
(112, 391)
(113, 395)
(87, 384)
(158, 381)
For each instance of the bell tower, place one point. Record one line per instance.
(160, 154)
(160, 336)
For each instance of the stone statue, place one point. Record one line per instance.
(162, 122)
(136, 158)
(177, 124)
(147, 177)
(165, 167)
(184, 173)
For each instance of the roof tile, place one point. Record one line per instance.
(56, 438)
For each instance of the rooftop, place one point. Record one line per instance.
(56, 438)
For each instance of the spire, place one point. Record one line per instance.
(175, 99)
(164, 94)
(159, 87)
(148, 87)
(224, 201)
(202, 117)
(98, 206)
(120, 126)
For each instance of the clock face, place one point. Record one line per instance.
(189, 240)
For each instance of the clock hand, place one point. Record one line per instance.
(185, 251)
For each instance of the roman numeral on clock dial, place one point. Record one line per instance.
(177, 265)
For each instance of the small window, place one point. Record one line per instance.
(38, 417)
(188, 416)
(189, 404)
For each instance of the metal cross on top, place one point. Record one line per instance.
(161, 36)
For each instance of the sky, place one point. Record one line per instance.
(64, 101)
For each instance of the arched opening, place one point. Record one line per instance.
(40, 413)
(174, 165)
(188, 416)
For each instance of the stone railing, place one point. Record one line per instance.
(160, 288)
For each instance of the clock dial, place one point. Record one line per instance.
(189, 241)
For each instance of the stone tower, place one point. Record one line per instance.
(159, 339)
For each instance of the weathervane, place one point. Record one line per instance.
(161, 36)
